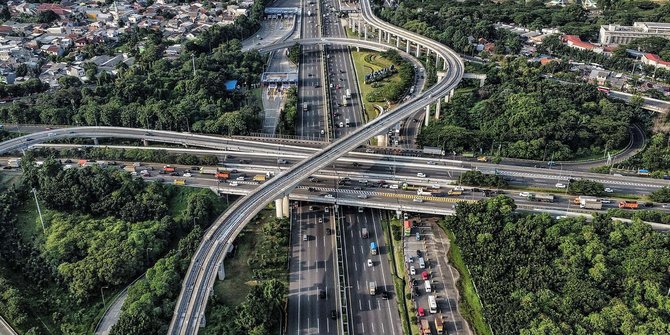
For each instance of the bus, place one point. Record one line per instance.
(432, 303)
(604, 89)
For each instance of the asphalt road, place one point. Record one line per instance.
(371, 314)
(311, 271)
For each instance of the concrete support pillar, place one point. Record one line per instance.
(407, 48)
(221, 272)
(145, 143)
(203, 319)
(418, 50)
(397, 42)
(95, 141)
(451, 93)
(366, 31)
(446, 99)
(444, 65)
(437, 109)
(388, 38)
(381, 140)
(285, 203)
(427, 118)
(379, 35)
(279, 208)
(437, 61)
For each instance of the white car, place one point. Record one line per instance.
(320, 220)
(362, 196)
(394, 186)
(240, 178)
(328, 196)
(560, 185)
(421, 175)
(417, 200)
(524, 194)
(608, 190)
(369, 263)
(412, 270)
(233, 183)
(430, 163)
(187, 174)
(435, 186)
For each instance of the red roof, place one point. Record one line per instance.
(576, 41)
(656, 59)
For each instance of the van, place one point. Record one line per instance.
(304, 237)
(428, 288)
(422, 263)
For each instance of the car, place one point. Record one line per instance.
(609, 190)
(245, 161)
(424, 275)
(175, 174)
(187, 174)
(28, 139)
(418, 253)
(665, 205)
(333, 314)
(558, 217)
(524, 194)
(356, 164)
(320, 220)
(412, 270)
(233, 184)
(421, 311)
(385, 295)
(309, 74)
(304, 237)
(322, 294)
(419, 200)
(362, 196)
(358, 188)
(323, 132)
(369, 263)
(648, 204)
(329, 196)
(560, 185)
(240, 178)
(418, 236)
(394, 186)
(325, 209)
(606, 201)
(329, 231)
(421, 175)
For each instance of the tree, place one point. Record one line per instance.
(661, 195)
(586, 187)
(47, 16)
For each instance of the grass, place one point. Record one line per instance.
(399, 283)
(179, 198)
(364, 63)
(237, 284)
(28, 222)
(470, 305)
(350, 33)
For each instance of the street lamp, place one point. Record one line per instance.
(103, 294)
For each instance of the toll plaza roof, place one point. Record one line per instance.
(280, 77)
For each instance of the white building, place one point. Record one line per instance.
(616, 34)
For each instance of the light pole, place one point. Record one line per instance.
(148, 253)
(39, 210)
(103, 294)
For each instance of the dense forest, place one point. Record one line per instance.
(537, 275)
(102, 229)
(521, 114)
(655, 157)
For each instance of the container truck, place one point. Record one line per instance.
(455, 192)
(364, 233)
(422, 192)
(433, 151)
(541, 197)
(208, 170)
(180, 182)
(259, 177)
(372, 286)
(591, 204)
(628, 204)
(168, 168)
(408, 228)
(222, 175)
(373, 248)
(578, 200)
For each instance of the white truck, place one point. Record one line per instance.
(590, 204)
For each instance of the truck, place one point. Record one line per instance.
(455, 192)
(433, 151)
(259, 178)
(364, 232)
(425, 327)
(628, 204)
(180, 181)
(591, 204)
(207, 170)
(348, 94)
(222, 175)
(408, 228)
(14, 162)
(373, 248)
(344, 100)
(541, 197)
(168, 168)
(422, 192)
(439, 324)
(372, 286)
(578, 200)
(129, 168)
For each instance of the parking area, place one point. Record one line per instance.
(431, 278)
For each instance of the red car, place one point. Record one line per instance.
(421, 311)
(424, 275)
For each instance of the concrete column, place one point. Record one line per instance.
(221, 272)
(418, 50)
(437, 109)
(397, 42)
(144, 143)
(379, 35)
(95, 141)
(365, 26)
(444, 65)
(451, 93)
(446, 99)
(388, 38)
(437, 61)
(407, 48)
(279, 207)
(285, 204)
(427, 119)
(381, 140)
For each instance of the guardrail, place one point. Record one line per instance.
(7, 326)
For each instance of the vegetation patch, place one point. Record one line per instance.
(537, 275)
(289, 115)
